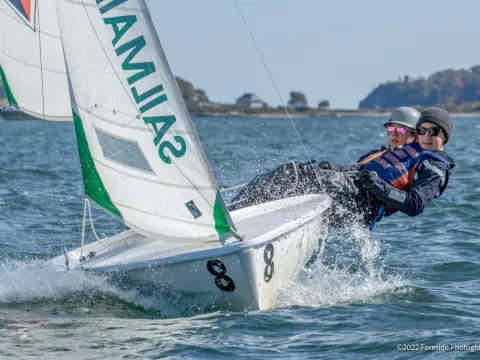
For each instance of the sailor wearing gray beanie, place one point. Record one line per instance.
(439, 117)
(430, 173)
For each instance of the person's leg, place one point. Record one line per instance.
(350, 200)
(272, 185)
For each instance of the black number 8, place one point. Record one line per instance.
(268, 257)
(218, 269)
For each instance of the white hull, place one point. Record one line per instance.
(280, 237)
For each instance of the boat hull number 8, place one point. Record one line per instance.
(219, 270)
(270, 267)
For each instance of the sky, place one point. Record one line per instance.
(337, 50)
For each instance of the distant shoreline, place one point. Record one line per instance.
(19, 116)
(337, 114)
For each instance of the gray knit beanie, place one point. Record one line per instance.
(439, 117)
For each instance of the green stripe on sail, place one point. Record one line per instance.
(94, 187)
(221, 222)
(8, 90)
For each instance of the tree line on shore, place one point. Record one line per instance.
(199, 103)
(454, 90)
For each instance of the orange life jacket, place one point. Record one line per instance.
(398, 167)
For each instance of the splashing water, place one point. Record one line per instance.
(33, 280)
(67, 292)
(348, 273)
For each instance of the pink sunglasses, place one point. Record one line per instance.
(400, 130)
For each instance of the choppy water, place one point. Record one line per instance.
(413, 283)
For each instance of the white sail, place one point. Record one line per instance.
(32, 68)
(140, 154)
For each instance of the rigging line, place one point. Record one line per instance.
(267, 69)
(41, 61)
(272, 80)
(45, 127)
(92, 226)
(86, 207)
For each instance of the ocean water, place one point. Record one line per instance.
(410, 289)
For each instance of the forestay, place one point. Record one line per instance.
(140, 154)
(32, 67)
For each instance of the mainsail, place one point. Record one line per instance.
(141, 157)
(32, 67)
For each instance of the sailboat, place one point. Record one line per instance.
(142, 161)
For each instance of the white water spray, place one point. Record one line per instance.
(347, 273)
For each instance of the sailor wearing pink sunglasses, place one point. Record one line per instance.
(401, 126)
(400, 129)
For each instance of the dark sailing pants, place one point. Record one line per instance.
(351, 200)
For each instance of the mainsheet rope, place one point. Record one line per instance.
(274, 84)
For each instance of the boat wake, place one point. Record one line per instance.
(23, 281)
(40, 288)
(351, 271)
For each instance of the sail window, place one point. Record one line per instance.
(193, 209)
(122, 151)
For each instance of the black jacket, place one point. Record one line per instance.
(430, 181)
